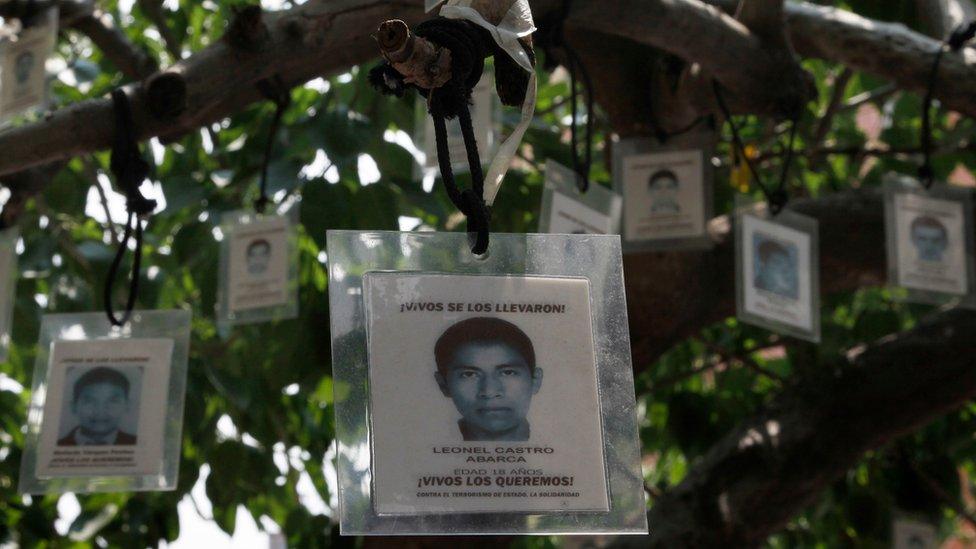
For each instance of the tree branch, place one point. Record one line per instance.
(941, 17)
(762, 473)
(114, 44)
(324, 37)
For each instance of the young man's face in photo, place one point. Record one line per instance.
(492, 386)
(664, 193)
(258, 258)
(778, 275)
(930, 242)
(99, 408)
(24, 64)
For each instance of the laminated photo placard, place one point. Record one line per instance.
(908, 533)
(930, 242)
(778, 271)
(8, 286)
(106, 410)
(485, 117)
(667, 191)
(23, 79)
(258, 267)
(566, 210)
(483, 395)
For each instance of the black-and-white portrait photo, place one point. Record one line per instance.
(101, 406)
(777, 273)
(105, 408)
(23, 66)
(487, 367)
(664, 195)
(775, 266)
(258, 263)
(482, 372)
(663, 186)
(258, 256)
(927, 245)
(930, 238)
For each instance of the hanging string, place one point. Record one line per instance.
(777, 198)
(275, 90)
(469, 46)
(129, 169)
(577, 69)
(955, 42)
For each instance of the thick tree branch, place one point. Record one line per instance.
(323, 37)
(760, 475)
(888, 50)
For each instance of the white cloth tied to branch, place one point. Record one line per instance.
(516, 24)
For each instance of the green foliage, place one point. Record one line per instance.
(272, 382)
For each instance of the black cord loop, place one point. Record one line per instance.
(776, 198)
(469, 45)
(130, 170)
(577, 71)
(955, 42)
(275, 90)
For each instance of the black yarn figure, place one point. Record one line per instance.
(469, 45)
(130, 170)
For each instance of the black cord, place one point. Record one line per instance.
(955, 42)
(778, 198)
(577, 69)
(469, 45)
(130, 170)
(275, 90)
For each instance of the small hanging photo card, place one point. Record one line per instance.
(258, 267)
(483, 395)
(778, 271)
(908, 533)
(930, 241)
(106, 410)
(667, 192)
(566, 210)
(23, 79)
(8, 286)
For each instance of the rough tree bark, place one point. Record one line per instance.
(325, 37)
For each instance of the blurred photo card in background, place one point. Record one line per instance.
(566, 210)
(930, 242)
(667, 191)
(483, 394)
(8, 286)
(23, 79)
(107, 405)
(777, 271)
(258, 267)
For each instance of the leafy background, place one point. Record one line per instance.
(259, 409)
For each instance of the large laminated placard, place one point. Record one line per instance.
(483, 395)
(106, 409)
